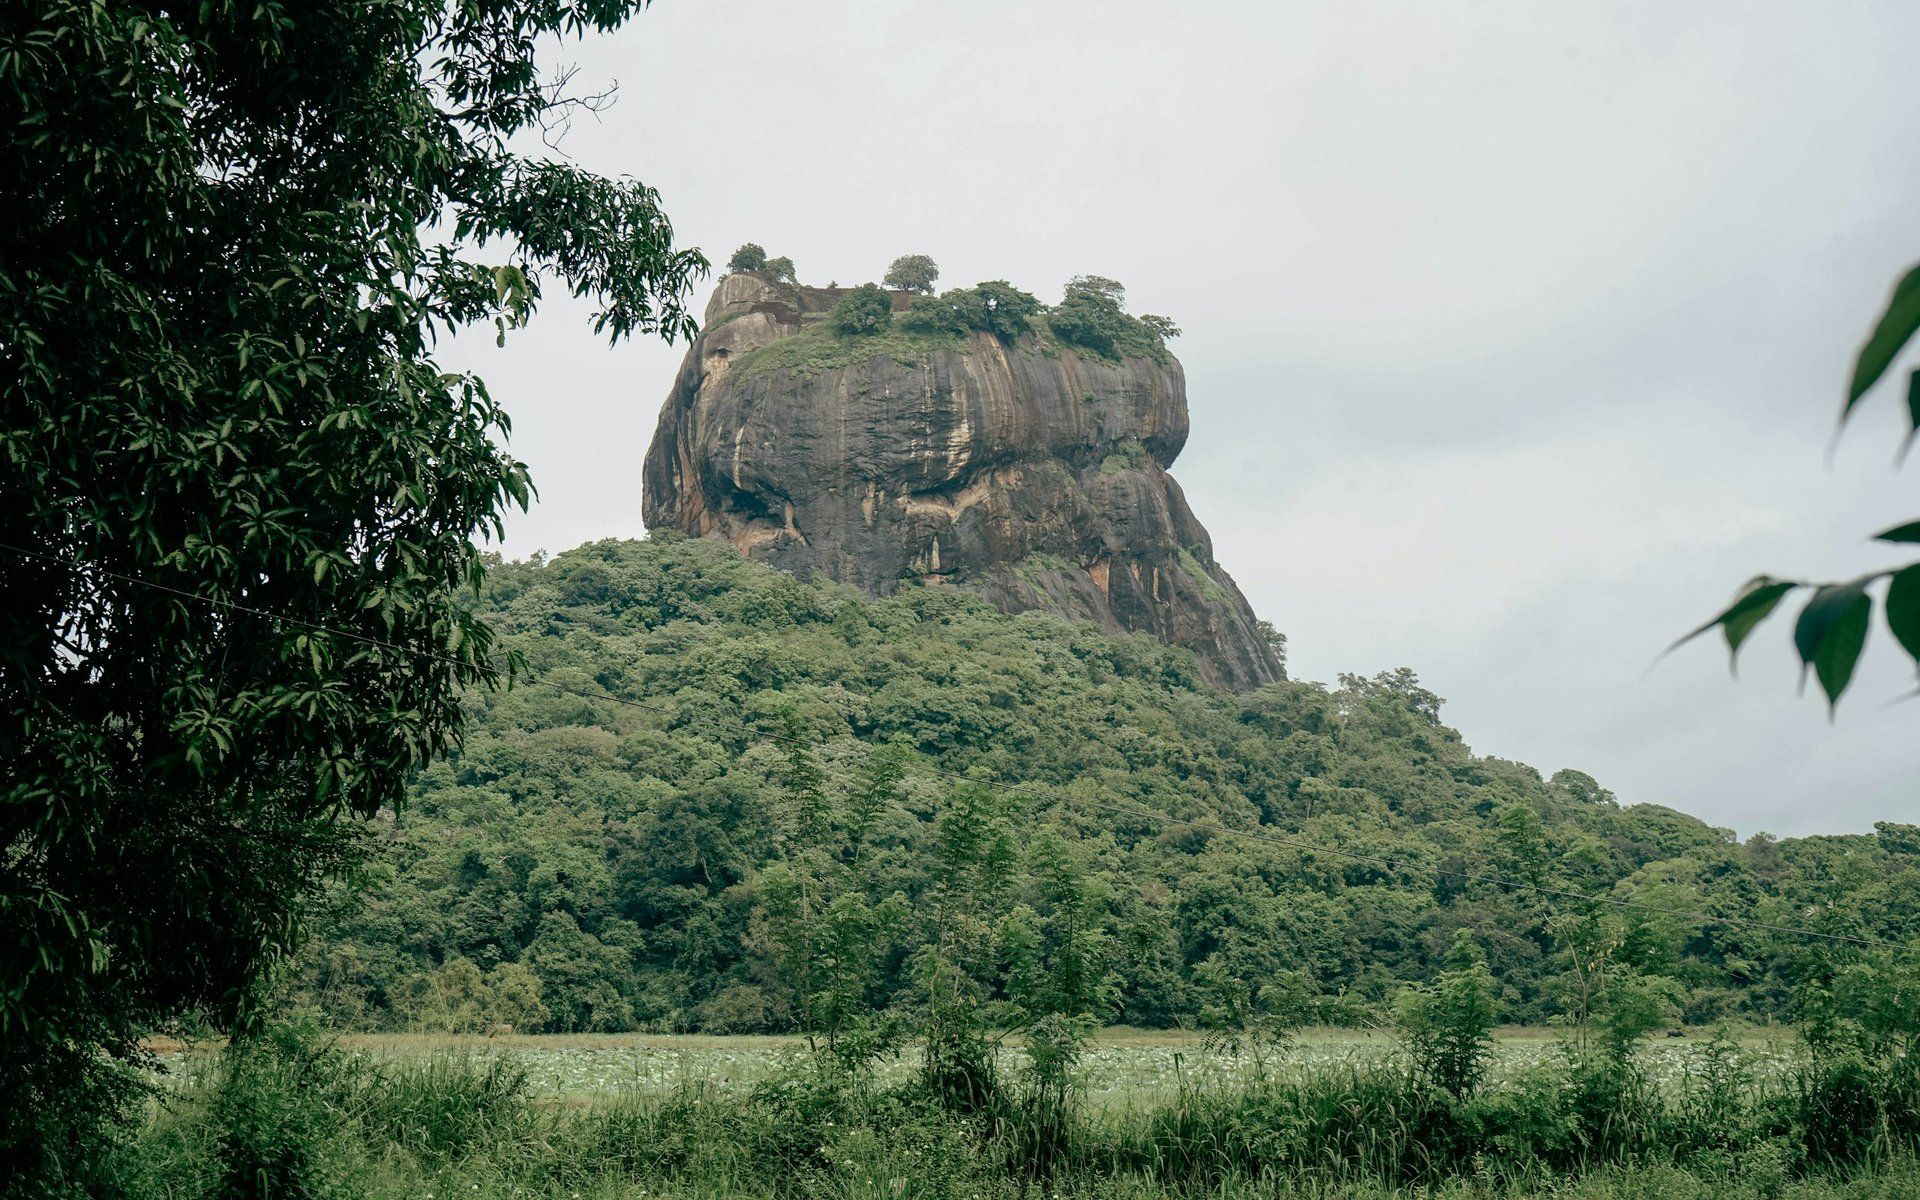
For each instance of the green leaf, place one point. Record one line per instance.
(1831, 632)
(1903, 609)
(1746, 613)
(1756, 602)
(1913, 414)
(1896, 326)
(1910, 532)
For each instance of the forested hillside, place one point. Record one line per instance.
(789, 765)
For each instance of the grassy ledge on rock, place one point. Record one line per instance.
(818, 349)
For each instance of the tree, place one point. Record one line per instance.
(1091, 320)
(912, 273)
(999, 308)
(781, 269)
(513, 998)
(1092, 316)
(1162, 327)
(1831, 631)
(1275, 640)
(956, 968)
(749, 257)
(241, 497)
(1095, 285)
(865, 309)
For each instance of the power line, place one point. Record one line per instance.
(1017, 789)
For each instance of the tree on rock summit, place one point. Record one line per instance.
(912, 273)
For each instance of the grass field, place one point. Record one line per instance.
(1337, 1113)
(1123, 1066)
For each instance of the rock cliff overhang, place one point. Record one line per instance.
(1032, 472)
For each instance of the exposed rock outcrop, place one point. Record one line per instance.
(1032, 473)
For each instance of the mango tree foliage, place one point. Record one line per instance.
(235, 230)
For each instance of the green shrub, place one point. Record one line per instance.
(445, 1108)
(1161, 327)
(72, 1101)
(1448, 1025)
(749, 257)
(864, 310)
(936, 315)
(1094, 321)
(1839, 1108)
(821, 348)
(1092, 316)
(999, 308)
(279, 1112)
(1088, 321)
(995, 307)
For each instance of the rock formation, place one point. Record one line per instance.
(1032, 473)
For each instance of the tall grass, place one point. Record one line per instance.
(293, 1118)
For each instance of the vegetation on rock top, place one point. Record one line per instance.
(1091, 320)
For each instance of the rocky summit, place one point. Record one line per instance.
(1031, 471)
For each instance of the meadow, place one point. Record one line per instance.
(1332, 1113)
(1120, 1066)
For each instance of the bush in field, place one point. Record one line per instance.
(1448, 1024)
(276, 1109)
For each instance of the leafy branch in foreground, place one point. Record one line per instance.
(1832, 627)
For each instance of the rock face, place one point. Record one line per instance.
(1034, 474)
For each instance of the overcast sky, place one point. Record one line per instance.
(1514, 332)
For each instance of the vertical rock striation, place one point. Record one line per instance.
(1032, 473)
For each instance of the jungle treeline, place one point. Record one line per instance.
(713, 787)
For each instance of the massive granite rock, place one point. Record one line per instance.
(1033, 473)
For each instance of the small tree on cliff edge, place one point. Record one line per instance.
(1095, 285)
(217, 311)
(912, 273)
(749, 257)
